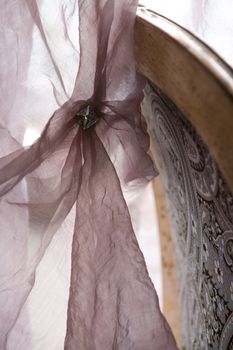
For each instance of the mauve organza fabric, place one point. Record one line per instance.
(56, 57)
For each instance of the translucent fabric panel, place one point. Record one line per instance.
(57, 59)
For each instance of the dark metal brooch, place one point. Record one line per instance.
(87, 117)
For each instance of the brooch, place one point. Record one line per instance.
(87, 117)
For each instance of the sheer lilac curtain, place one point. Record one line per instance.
(57, 58)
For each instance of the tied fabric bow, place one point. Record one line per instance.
(89, 148)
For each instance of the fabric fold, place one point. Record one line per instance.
(112, 302)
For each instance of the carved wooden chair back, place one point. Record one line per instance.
(189, 108)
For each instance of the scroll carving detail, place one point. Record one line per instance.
(201, 212)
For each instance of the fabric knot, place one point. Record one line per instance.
(87, 117)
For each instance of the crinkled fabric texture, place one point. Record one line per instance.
(57, 57)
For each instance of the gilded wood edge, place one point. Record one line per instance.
(199, 50)
(169, 278)
(193, 77)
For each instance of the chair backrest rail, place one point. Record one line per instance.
(193, 77)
